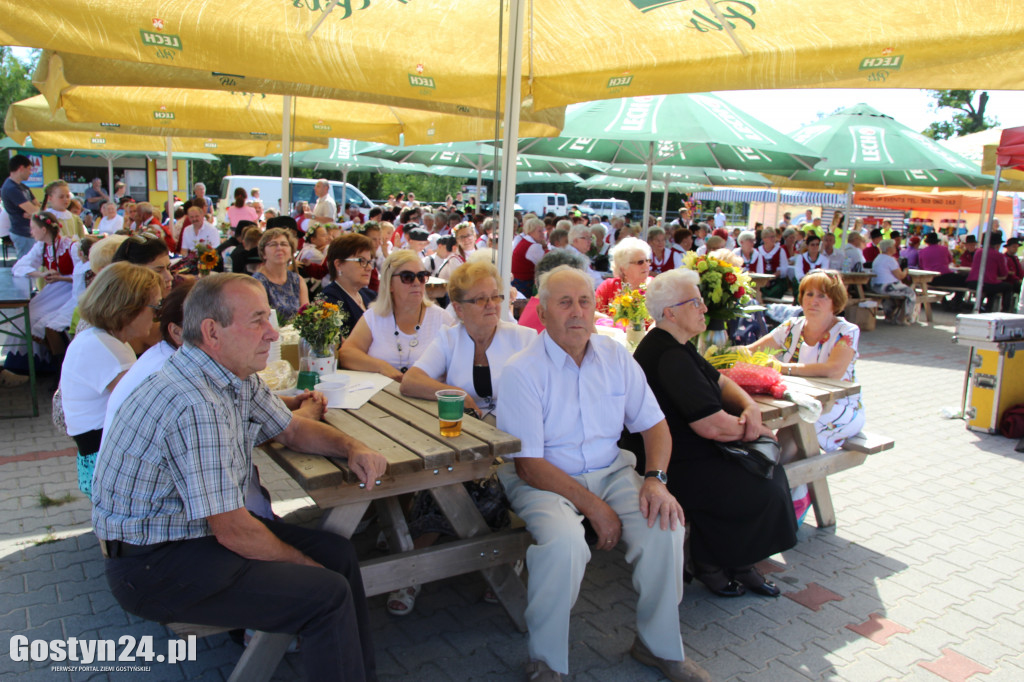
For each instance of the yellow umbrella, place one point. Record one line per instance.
(57, 72)
(33, 117)
(448, 51)
(180, 109)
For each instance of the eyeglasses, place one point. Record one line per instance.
(642, 261)
(484, 300)
(156, 308)
(407, 276)
(697, 302)
(363, 262)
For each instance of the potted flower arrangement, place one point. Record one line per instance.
(630, 309)
(726, 291)
(319, 326)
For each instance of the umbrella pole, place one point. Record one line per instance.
(647, 190)
(286, 154)
(510, 145)
(344, 187)
(985, 240)
(110, 176)
(664, 204)
(849, 209)
(778, 200)
(479, 185)
(170, 178)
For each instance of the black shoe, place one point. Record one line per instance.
(750, 578)
(719, 583)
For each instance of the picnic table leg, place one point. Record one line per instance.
(343, 520)
(805, 438)
(458, 507)
(392, 521)
(926, 297)
(261, 657)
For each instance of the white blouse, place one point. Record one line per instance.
(403, 350)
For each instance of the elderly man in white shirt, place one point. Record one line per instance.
(325, 211)
(197, 230)
(566, 397)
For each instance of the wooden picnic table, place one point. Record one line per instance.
(919, 280)
(857, 281)
(15, 296)
(405, 430)
(811, 466)
(759, 280)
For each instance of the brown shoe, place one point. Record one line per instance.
(677, 671)
(539, 671)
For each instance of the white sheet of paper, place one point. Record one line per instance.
(362, 386)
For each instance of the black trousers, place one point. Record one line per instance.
(990, 291)
(200, 581)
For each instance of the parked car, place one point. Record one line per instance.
(605, 207)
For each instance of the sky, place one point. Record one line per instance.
(787, 110)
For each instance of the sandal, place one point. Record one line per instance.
(490, 597)
(401, 602)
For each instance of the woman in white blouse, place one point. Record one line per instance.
(470, 355)
(393, 333)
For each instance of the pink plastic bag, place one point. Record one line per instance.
(756, 379)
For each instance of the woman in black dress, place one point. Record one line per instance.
(736, 518)
(350, 263)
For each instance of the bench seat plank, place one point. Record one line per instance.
(804, 471)
(868, 443)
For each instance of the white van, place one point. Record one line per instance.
(542, 204)
(606, 207)
(301, 190)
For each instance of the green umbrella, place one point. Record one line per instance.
(340, 155)
(522, 177)
(671, 130)
(475, 156)
(681, 175)
(861, 144)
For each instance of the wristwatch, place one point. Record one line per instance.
(658, 474)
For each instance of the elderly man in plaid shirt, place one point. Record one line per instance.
(169, 491)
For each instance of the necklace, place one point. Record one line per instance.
(413, 342)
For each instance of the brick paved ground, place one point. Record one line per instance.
(918, 581)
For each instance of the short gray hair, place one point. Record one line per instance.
(543, 292)
(557, 258)
(207, 301)
(655, 231)
(885, 245)
(626, 248)
(580, 230)
(664, 290)
(199, 184)
(746, 236)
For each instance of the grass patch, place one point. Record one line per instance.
(47, 501)
(47, 539)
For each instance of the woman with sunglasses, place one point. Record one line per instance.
(286, 291)
(737, 518)
(350, 263)
(631, 265)
(393, 333)
(120, 305)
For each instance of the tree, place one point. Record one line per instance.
(15, 79)
(970, 119)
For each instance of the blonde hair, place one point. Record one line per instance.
(102, 252)
(118, 295)
(467, 275)
(383, 306)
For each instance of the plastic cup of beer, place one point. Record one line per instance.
(307, 380)
(450, 406)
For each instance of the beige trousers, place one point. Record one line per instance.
(559, 558)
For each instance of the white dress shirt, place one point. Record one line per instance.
(573, 416)
(208, 234)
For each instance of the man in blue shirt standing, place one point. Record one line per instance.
(19, 202)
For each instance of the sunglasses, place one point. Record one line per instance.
(697, 302)
(363, 262)
(642, 261)
(407, 276)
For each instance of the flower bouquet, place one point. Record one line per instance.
(724, 288)
(630, 307)
(319, 326)
(206, 258)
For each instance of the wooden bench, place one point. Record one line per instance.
(853, 453)
(260, 659)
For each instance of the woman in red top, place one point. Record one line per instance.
(631, 265)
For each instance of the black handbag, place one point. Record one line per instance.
(759, 457)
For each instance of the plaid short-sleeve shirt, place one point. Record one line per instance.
(179, 449)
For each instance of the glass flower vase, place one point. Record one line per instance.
(634, 334)
(714, 335)
(322, 359)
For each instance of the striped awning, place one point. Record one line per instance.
(769, 195)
